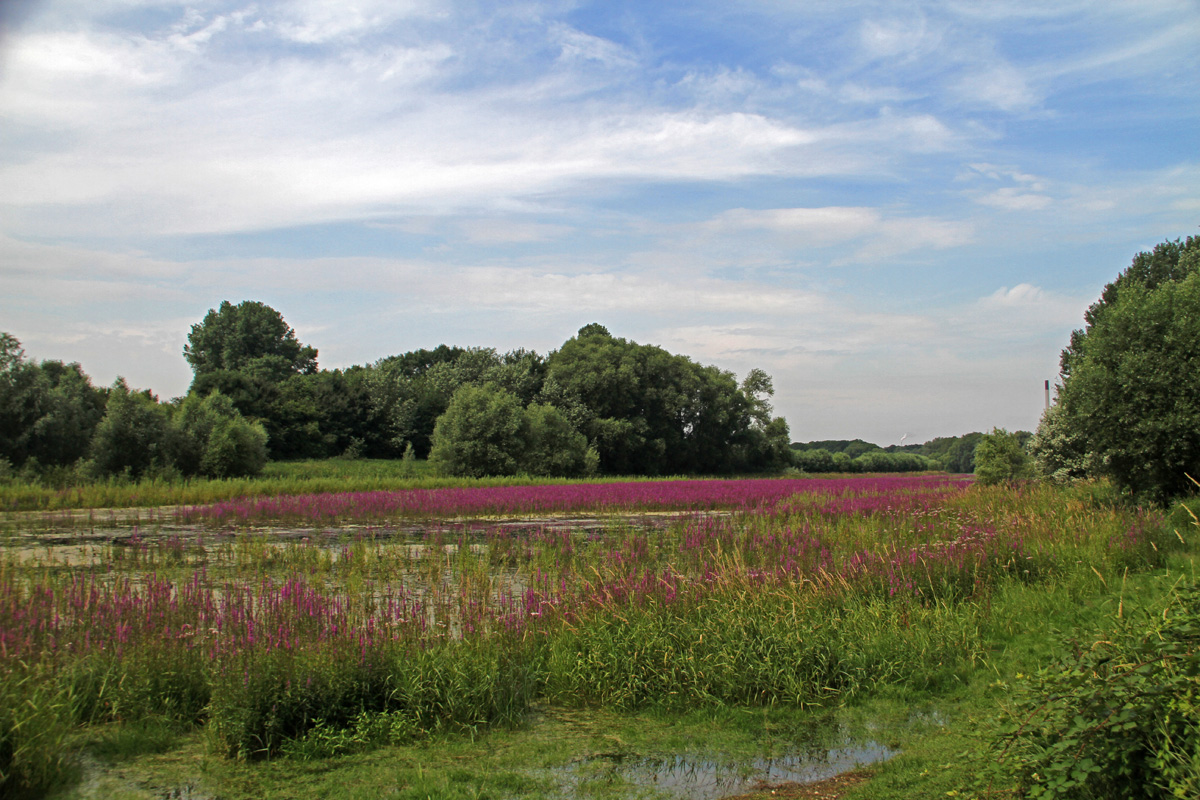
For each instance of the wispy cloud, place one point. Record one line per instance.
(899, 210)
(875, 234)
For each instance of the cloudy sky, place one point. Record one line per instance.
(898, 209)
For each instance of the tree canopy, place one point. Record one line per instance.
(597, 404)
(250, 338)
(1129, 400)
(647, 411)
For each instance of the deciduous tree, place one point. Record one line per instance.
(251, 338)
(1131, 380)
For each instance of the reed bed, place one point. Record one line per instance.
(801, 593)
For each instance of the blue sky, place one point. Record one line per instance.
(899, 210)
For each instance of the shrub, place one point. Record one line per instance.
(1119, 718)
(1060, 452)
(480, 433)
(133, 436)
(213, 439)
(554, 447)
(1000, 458)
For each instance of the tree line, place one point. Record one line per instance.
(954, 454)
(599, 404)
(1128, 406)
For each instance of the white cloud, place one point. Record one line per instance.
(506, 231)
(882, 39)
(999, 85)
(546, 175)
(1029, 194)
(1024, 311)
(876, 235)
(1012, 199)
(318, 21)
(574, 44)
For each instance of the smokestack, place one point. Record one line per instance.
(1047, 395)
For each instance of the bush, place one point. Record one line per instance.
(336, 700)
(486, 431)
(133, 438)
(480, 434)
(1060, 452)
(1000, 458)
(819, 460)
(1119, 718)
(213, 439)
(554, 447)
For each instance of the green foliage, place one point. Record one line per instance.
(960, 458)
(1059, 449)
(481, 433)
(48, 411)
(263, 701)
(648, 412)
(553, 448)
(952, 453)
(250, 338)
(485, 431)
(758, 649)
(1000, 458)
(1130, 392)
(214, 440)
(35, 727)
(880, 461)
(366, 730)
(1117, 718)
(133, 438)
(815, 461)
(821, 460)
(235, 448)
(852, 447)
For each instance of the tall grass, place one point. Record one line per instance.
(806, 593)
(277, 478)
(35, 728)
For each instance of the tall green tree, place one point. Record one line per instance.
(250, 338)
(647, 411)
(1130, 391)
(48, 411)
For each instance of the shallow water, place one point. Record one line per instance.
(705, 777)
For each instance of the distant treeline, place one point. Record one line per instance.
(598, 404)
(950, 453)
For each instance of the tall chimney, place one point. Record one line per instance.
(1047, 395)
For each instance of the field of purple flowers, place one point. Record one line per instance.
(361, 628)
(629, 497)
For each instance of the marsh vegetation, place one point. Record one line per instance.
(326, 628)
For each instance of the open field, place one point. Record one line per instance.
(637, 639)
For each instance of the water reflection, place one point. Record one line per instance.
(703, 777)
